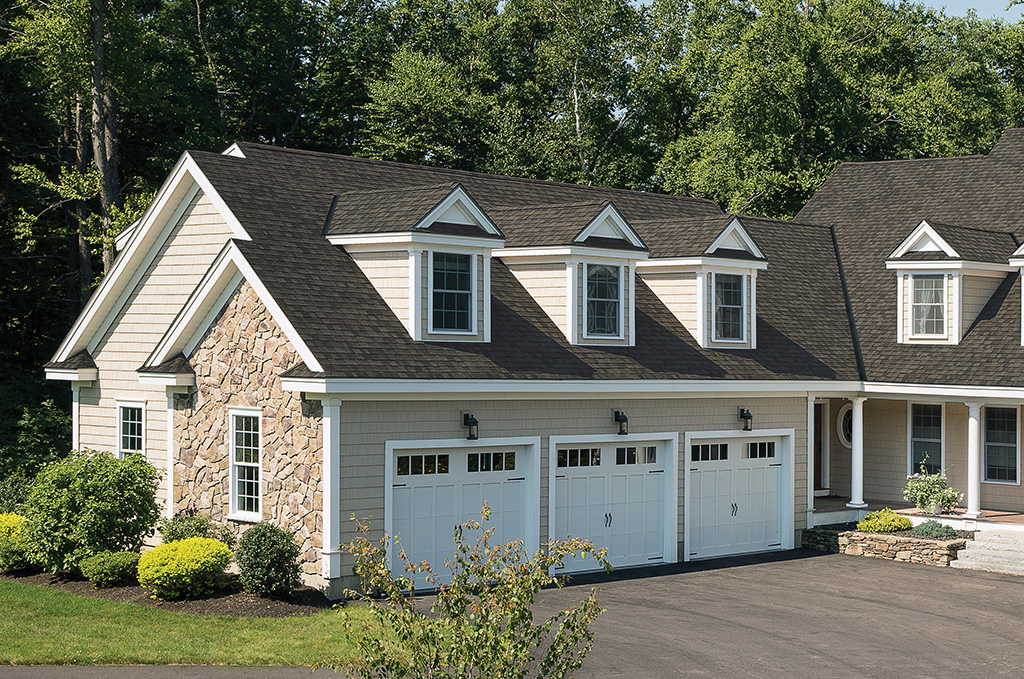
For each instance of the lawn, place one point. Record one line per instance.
(42, 626)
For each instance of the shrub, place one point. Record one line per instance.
(268, 561)
(14, 491)
(12, 544)
(884, 521)
(89, 503)
(184, 568)
(931, 492)
(111, 569)
(934, 529)
(191, 524)
(39, 436)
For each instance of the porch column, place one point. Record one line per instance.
(973, 460)
(330, 554)
(857, 456)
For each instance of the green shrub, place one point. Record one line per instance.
(192, 524)
(184, 568)
(39, 436)
(12, 543)
(14, 491)
(884, 521)
(111, 569)
(931, 492)
(268, 561)
(934, 529)
(89, 503)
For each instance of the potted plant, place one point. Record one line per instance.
(931, 492)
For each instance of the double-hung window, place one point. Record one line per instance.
(130, 434)
(728, 306)
(604, 300)
(1001, 444)
(452, 292)
(245, 465)
(926, 437)
(928, 306)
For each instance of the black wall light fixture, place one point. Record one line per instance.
(623, 422)
(471, 422)
(747, 418)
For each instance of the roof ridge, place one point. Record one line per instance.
(549, 205)
(967, 228)
(432, 168)
(401, 189)
(866, 163)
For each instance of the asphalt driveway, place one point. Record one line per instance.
(795, 614)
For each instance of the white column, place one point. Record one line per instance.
(76, 418)
(857, 456)
(973, 460)
(169, 509)
(330, 553)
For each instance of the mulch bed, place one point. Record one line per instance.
(842, 527)
(231, 601)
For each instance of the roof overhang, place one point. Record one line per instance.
(950, 265)
(691, 263)
(72, 374)
(549, 252)
(167, 379)
(406, 238)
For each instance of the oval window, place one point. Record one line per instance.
(844, 425)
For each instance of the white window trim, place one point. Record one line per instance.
(233, 514)
(118, 450)
(744, 309)
(984, 449)
(945, 306)
(910, 435)
(474, 294)
(845, 408)
(621, 334)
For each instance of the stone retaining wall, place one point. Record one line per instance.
(883, 546)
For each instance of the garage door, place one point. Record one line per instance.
(614, 496)
(736, 499)
(435, 491)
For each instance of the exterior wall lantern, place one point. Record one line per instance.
(471, 422)
(623, 422)
(747, 418)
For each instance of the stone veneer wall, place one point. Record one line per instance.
(882, 546)
(239, 363)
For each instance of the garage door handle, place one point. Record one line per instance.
(735, 508)
(656, 471)
(518, 478)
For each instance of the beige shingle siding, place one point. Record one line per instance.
(680, 293)
(389, 274)
(138, 326)
(546, 284)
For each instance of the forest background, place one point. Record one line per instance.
(751, 103)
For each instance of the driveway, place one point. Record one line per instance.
(792, 614)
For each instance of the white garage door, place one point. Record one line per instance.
(435, 491)
(736, 501)
(614, 496)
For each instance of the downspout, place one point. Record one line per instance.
(849, 308)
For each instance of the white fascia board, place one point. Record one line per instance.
(168, 379)
(373, 389)
(923, 230)
(610, 212)
(461, 196)
(72, 374)
(550, 252)
(142, 247)
(736, 229)
(941, 266)
(233, 151)
(121, 239)
(368, 241)
(943, 392)
(229, 267)
(693, 263)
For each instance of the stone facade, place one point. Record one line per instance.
(882, 546)
(239, 363)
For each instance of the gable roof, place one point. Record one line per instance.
(975, 203)
(947, 241)
(557, 224)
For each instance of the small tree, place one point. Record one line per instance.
(89, 503)
(481, 623)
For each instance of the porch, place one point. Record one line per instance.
(835, 509)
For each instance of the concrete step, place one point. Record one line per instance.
(995, 537)
(1007, 548)
(990, 566)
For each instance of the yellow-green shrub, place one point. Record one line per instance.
(884, 521)
(12, 544)
(184, 568)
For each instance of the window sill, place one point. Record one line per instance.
(468, 333)
(1002, 483)
(927, 337)
(245, 517)
(603, 337)
(729, 341)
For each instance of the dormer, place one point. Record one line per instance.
(578, 262)
(709, 279)
(945, 275)
(427, 251)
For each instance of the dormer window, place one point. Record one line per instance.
(929, 306)
(604, 300)
(451, 292)
(729, 299)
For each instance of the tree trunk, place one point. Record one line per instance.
(104, 133)
(85, 272)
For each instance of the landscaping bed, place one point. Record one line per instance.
(897, 546)
(232, 601)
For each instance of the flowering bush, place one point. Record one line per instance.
(184, 568)
(931, 492)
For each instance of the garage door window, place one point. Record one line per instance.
(491, 462)
(579, 457)
(631, 455)
(417, 465)
(760, 450)
(709, 452)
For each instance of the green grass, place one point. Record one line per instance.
(42, 626)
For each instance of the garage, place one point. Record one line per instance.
(434, 489)
(738, 493)
(617, 493)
